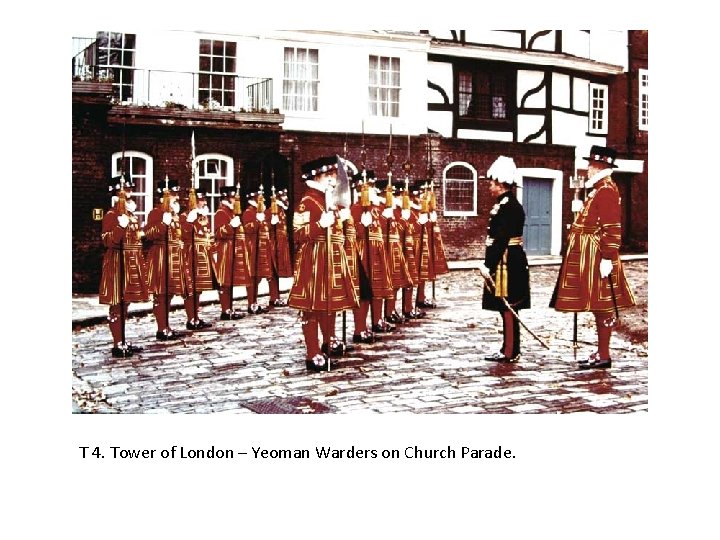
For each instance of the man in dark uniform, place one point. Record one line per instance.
(123, 278)
(505, 270)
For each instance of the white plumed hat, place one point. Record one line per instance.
(503, 170)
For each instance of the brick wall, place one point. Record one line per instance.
(464, 237)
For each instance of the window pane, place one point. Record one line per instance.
(231, 49)
(129, 41)
(204, 46)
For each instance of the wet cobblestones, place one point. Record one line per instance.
(435, 365)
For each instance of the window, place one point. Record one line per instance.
(643, 73)
(459, 190)
(598, 108)
(300, 80)
(116, 58)
(384, 87)
(138, 167)
(217, 77)
(483, 95)
(213, 172)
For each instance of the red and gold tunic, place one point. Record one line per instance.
(371, 248)
(281, 245)
(351, 252)
(158, 257)
(125, 243)
(437, 250)
(421, 248)
(228, 261)
(198, 235)
(313, 278)
(397, 265)
(407, 230)
(259, 247)
(594, 235)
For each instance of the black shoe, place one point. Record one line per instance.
(337, 348)
(595, 364)
(395, 318)
(166, 335)
(121, 352)
(383, 326)
(364, 337)
(133, 348)
(414, 314)
(256, 309)
(594, 357)
(425, 303)
(500, 357)
(319, 362)
(198, 324)
(231, 315)
(279, 302)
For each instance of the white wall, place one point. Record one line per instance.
(440, 73)
(527, 80)
(560, 90)
(528, 125)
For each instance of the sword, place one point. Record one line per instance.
(491, 287)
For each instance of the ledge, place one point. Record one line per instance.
(169, 116)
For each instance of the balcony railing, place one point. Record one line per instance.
(182, 89)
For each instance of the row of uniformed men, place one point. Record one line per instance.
(395, 245)
(242, 248)
(365, 258)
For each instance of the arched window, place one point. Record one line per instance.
(213, 172)
(460, 189)
(138, 167)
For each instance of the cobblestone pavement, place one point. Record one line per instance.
(435, 365)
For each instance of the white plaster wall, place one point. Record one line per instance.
(576, 42)
(440, 121)
(439, 73)
(581, 93)
(485, 135)
(529, 124)
(527, 80)
(560, 90)
(542, 43)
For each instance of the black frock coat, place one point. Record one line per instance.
(507, 219)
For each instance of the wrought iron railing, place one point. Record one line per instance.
(179, 89)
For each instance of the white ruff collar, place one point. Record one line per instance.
(312, 184)
(227, 203)
(597, 177)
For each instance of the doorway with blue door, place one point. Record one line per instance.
(537, 202)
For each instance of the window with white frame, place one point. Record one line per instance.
(643, 116)
(116, 58)
(213, 172)
(300, 79)
(217, 61)
(598, 108)
(384, 86)
(137, 167)
(460, 190)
